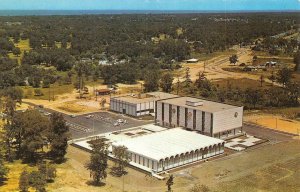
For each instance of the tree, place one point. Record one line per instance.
(166, 82)
(199, 188)
(261, 80)
(24, 181)
(233, 59)
(187, 77)
(253, 97)
(151, 80)
(293, 90)
(297, 61)
(272, 78)
(98, 160)
(170, 182)
(47, 170)
(3, 168)
(10, 96)
(35, 130)
(58, 137)
(38, 92)
(284, 76)
(38, 181)
(122, 159)
(255, 58)
(16, 51)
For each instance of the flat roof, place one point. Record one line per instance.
(208, 106)
(145, 97)
(171, 142)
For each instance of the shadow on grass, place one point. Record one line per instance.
(96, 184)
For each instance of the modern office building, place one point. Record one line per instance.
(137, 104)
(209, 118)
(169, 149)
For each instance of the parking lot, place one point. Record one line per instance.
(95, 123)
(99, 123)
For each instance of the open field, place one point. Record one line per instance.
(275, 122)
(204, 57)
(242, 84)
(24, 46)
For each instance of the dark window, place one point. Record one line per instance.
(178, 115)
(194, 119)
(163, 112)
(211, 124)
(203, 121)
(155, 109)
(170, 114)
(186, 116)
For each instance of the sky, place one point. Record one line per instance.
(150, 5)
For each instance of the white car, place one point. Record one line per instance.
(89, 116)
(120, 120)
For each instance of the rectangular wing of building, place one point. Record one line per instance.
(209, 118)
(171, 148)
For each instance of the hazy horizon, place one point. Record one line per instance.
(153, 5)
(118, 12)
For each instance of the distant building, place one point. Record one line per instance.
(137, 104)
(271, 64)
(192, 60)
(104, 62)
(99, 92)
(207, 117)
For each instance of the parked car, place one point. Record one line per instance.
(89, 116)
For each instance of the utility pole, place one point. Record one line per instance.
(178, 85)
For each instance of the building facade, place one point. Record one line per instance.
(169, 149)
(207, 117)
(137, 105)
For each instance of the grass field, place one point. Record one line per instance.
(54, 90)
(24, 46)
(204, 56)
(15, 169)
(243, 83)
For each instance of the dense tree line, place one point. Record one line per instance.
(136, 42)
(286, 95)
